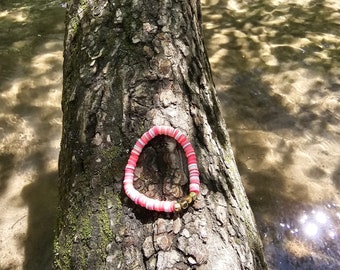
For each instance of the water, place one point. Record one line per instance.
(276, 68)
(31, 43)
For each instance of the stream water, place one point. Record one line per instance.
(276, 69)
(31, 44)
(277, 72)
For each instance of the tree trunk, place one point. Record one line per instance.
(130, 65)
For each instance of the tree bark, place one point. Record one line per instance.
(130, 65)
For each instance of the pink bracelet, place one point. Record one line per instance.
(153, 204)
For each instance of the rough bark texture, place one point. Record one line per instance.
(129, 65)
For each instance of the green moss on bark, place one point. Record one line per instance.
(104, 222)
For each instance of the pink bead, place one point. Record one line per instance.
(177, 134)
(134, 195)
(129, 170)
(137, 148)
(148, 135)
(140, 143)
(156, 204)
(191, 154)
(128, 189)
(195, 180)
(135, 152)
(151, 133)
(189, 150)
(153, 204)
(128, 166)
(193, 170)
(155, 131)
(143, 200)
(168, 131)
(192, 160)
(171, 132)
(132, 163)
(133, 157)
(127, 181)
(182, 140)
(169, 206)
(157, 207)
(160, 206)
(160, 130)
(147, 205)
(164, 129)
(194, 188)
(129, 175)
(186, 145)
(145, 139)
(192, 166)
(150, 204)
(139, 199)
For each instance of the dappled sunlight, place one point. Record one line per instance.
(30, 126)
(30, 129)
(275, 66)
(303, 3)
(17, 15)
(45, 62)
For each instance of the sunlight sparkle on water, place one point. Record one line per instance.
(332, 234)
(303, 219)
(310, 229)
(315, 223)
(320, 217)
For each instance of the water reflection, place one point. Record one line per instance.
(314, 225)
(311, 237)
(275, 65)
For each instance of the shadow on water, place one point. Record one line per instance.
(31, 43)
(275, 65)
(336, 177)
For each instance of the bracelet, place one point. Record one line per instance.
(153, 204)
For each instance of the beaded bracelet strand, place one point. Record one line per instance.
(153, 204)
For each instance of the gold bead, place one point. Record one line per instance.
(184, 204)
(177, 207)
(193, 195)
(188, 199)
